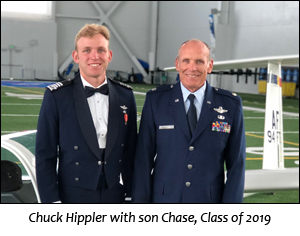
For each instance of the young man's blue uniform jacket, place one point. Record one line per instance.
(66, 133)
(172, 166)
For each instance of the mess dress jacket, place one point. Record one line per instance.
(173, 166)
(66, 138)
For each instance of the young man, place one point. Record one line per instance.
(89, 134)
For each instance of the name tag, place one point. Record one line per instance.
(166, 127)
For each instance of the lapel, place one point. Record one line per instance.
(177, 110)
(114, 116)
(207, 113)
(84, 116)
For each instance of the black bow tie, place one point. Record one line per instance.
(89, 91)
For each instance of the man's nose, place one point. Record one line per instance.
(192, 66)
(95, 55)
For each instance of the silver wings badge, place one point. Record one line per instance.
(220, 110)
(124, 108)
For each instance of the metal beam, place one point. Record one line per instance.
(115, 32)
(103, 18)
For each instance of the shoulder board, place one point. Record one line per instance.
(58, 85)
(162, 88)
(120, 83)
(226, 92)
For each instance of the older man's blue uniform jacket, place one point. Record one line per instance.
(171, 166)
(66, 133)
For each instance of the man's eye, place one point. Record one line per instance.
(86, 50)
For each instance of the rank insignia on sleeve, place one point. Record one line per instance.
(220, 126)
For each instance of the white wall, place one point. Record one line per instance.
(253, 29)
(179, 22)
(36, 46)
(259, 28)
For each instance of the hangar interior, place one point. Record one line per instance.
(146, 36)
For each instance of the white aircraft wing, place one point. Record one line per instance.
(271, 180)
(251, 62)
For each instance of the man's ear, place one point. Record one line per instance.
(110, 54)
(210, 66)
(75, 56)
(177, 63)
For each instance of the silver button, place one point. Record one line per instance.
(77, 163)
(76, 147)
(191, 148)
(76, 179)
(190, 166)
(122, 145)
(99, 163)
(105, 163)
(188, 184)
(120, 160)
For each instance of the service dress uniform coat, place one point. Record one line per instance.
(66, 137)
(173, 166)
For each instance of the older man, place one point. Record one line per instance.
(188, 132)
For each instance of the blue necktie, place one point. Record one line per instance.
(192, 114)
(89, 91)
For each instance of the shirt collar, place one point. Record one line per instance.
(199, 94)
(85, 83)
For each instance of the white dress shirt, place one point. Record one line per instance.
(99, 105)
(199, 97)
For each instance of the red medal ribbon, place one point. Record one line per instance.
(125, 118)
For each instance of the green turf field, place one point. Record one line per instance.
(20, 108)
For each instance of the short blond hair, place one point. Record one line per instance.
(90, 30)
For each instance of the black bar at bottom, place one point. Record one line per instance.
(149, 218)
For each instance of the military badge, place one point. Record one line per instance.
(220, 126)
(124, 108)
(220, 110)
(125, 113)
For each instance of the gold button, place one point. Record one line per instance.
(191, 148)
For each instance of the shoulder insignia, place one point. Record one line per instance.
(120, 83)
(162, 88)
(58, 85)
(226, 92)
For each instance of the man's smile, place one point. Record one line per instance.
(193, 76)
(94, 65)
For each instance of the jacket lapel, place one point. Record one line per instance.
(84, 116)
(178, 111)
(113, 119)
(207, 113)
